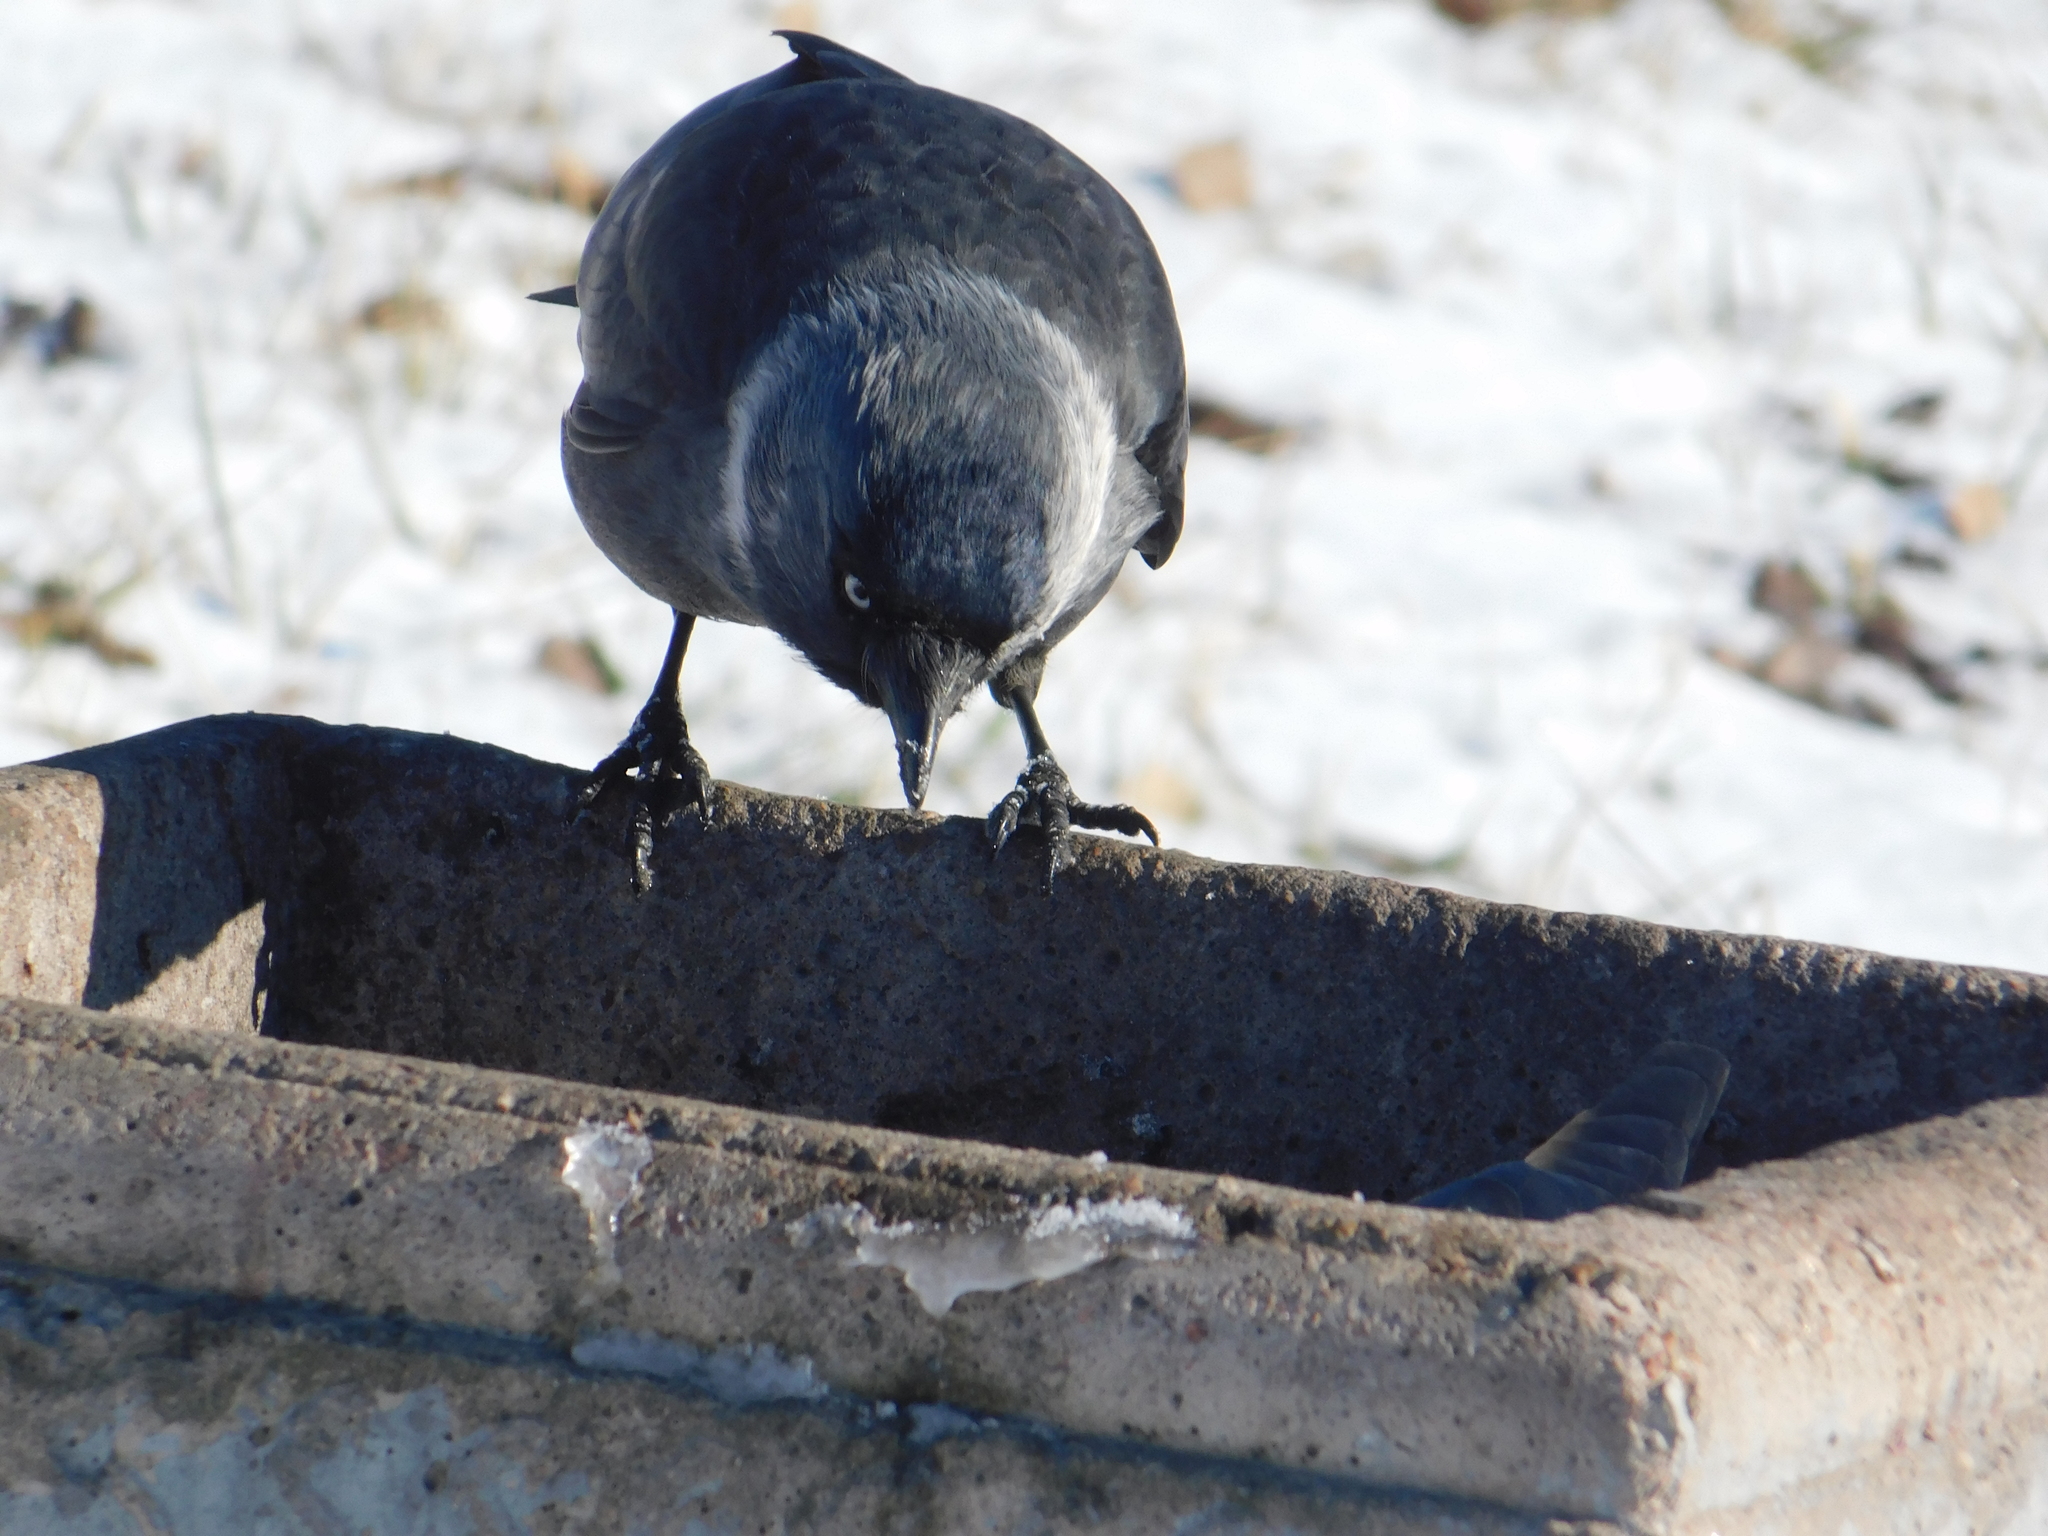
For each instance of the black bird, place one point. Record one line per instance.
(890, 372)
(1639, 1138)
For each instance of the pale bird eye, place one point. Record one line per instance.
(856, 592)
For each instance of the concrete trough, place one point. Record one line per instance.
(371, 1156)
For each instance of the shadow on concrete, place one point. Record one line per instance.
(186, 853)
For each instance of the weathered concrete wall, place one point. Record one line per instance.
(131, 1409)
(140, 892)
(219, 1248)
(428, 896)
(1852, 1334)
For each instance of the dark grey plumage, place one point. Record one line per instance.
(889, 372)
(1640, 1137)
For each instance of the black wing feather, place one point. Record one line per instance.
(1640, 1137)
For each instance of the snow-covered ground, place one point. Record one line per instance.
(1576, 325)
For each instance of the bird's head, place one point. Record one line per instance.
(916, 493)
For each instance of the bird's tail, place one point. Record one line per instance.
(1639, 1137)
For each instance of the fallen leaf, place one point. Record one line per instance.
(1975, 511)
(1889, 473)
(1802, 666)
(75, 331)
(61, 615)
(1158, 790)
(1801, 669)
(445, 182)
(18, 317)
(1245, 433)
(580, 662)
(1884, 629)
(1483, 13)
(1211, 177)
(575, 184)
(1787, 589)
(1756, 20)
(568, 180)
(1919, 409)
(406, 311)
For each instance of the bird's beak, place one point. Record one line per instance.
(921, 678)
(917, 745)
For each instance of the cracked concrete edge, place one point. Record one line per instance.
(1625, 1365)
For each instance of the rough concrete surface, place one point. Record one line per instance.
(1845, 1328)
(429, 897)
(1802, 1321)
(148, 1411)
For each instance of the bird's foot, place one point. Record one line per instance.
(1044, 799)
(672, 777)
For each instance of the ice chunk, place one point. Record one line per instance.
(603, 1163)
(942, 1262)
(931, 1422)
(734, 1373)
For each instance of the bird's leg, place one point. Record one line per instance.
(1043, 798)
(672, 775)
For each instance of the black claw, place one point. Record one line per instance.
(1002, 821)
(643, 849)
(1045, 799)
(605, 775)
(669, 774)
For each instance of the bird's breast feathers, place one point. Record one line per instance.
(936, 369)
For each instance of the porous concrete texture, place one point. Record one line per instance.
(1874, 1313)
(136, 1409)
(429, 897)
(1855, 1337)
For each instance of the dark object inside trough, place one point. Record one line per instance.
(427, 896)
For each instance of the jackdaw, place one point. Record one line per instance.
(891, 373)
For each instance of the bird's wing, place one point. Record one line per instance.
(1639, 1137)
(1164, 456)
(627, 384)
(761, 198)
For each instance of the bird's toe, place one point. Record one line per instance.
(1127, 819)
(1002, 821)
(678, 782)
(615, 767)
(1044, 798)
(668, 777)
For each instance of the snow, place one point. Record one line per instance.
(933, 1422)
(941, 1262)
(740, 1374)
(1576, 324)
(602, 1164)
